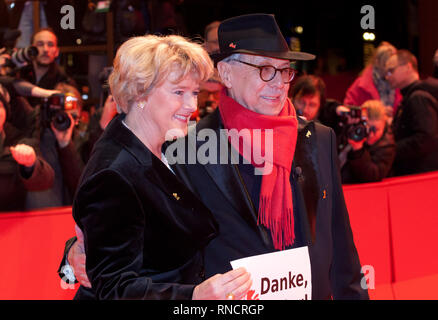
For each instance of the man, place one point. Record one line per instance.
(44, 71)
(415, 124)
(211, 42)
(254, 65)
(209, 92)
(309, 98)
(208, 98)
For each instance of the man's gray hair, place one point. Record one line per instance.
(234, 56)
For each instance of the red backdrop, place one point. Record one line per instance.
(394, 225)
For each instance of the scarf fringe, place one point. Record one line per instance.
(282, 228)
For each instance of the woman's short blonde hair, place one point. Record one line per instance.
(376, 110)
(142, 63)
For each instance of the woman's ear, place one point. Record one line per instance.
(224, 70)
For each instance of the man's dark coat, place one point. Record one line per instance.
(320, 214)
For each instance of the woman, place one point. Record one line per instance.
(372, 85)
(22, 168)
(370, 160)
(144, 231)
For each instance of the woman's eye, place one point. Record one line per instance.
(196, 93)
(179, 92)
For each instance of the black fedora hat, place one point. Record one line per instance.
(256, 34)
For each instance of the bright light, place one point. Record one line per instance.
(299, 29)
(369, 36)
(78, 41)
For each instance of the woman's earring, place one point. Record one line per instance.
(141, 104)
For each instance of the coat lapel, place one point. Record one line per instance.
(227, 176)
(304, 178)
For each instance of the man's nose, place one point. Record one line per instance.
(278, 80)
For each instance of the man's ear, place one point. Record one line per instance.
(224, 70)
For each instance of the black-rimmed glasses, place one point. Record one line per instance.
(267, 72)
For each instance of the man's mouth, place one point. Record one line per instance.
(271, 98)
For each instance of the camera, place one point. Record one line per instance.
(353, 125)
(20, 57)
(54, 110)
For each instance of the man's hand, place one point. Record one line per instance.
(76, 258)
(343, 110)
(3, 58)
(64, 137)
(24, 155)
(109, 112)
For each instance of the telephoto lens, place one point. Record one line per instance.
(23, 56)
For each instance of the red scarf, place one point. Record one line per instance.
(275, 208)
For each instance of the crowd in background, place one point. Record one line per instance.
(386, 126)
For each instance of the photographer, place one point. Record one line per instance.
(21, 167)
(370, 158)
(309, 99)
(415, 124)
(43, 71)
(12, 61)
(56, 123)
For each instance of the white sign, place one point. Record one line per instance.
(280, 275)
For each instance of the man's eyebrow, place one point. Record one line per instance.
(268, 62)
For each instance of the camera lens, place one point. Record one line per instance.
(357, 132)
(24, 55)
(61, 121)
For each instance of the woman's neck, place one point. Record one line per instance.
(148, 137)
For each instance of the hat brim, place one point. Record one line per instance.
(288, 55)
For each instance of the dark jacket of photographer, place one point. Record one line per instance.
(51, 78)
(66, 163)
(16, 180)
(415, 129)
(372, 163)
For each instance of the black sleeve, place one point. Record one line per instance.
(346, 269)
(71, 166)
(367, 167)
(423, 123)
(111, 216)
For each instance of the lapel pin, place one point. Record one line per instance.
(308, 134)
(324, 194)
(175, 195)
(232, 45)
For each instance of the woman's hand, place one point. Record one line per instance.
(64, 137)
(76, 259)
(231, 285)
(24, 155)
